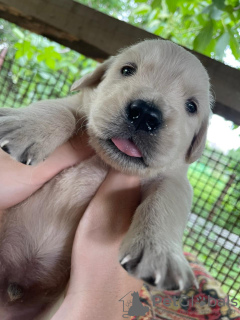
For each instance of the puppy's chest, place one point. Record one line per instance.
(78, 184)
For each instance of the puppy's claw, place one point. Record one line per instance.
(196, 283)
(126, 259)
(153, 280)
(158, 278)
(29, 162)
(4, 143)
(130, 264)
(180, 284)
(4, 146)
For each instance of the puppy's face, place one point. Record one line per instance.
(148, 108)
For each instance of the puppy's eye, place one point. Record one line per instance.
(191, 106)
(128, 70)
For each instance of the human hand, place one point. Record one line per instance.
(101, 229)
(97, 279)
(19, 181)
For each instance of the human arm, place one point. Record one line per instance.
(97, 279)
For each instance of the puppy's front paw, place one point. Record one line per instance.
(161, 266)
(20, 137)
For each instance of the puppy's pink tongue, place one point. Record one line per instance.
(127, 147)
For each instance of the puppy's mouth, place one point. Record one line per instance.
(123, 150)
(127, 146)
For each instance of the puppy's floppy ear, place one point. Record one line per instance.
(94, 78)
(197, 145)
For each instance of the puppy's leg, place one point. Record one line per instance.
(152, 248)
(31, 134)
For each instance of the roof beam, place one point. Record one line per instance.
(98, 36)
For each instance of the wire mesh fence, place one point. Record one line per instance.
(19, 85)
(213, 229)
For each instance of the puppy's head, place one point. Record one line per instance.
(147, 108)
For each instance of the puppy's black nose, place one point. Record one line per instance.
(144, 115)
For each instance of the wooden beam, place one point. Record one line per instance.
(227, 113)
(98, 36)
(86, 30)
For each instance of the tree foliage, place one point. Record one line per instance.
(39, 53)
(207, 26)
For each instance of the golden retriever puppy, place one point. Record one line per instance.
(146, 112)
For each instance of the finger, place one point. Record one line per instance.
(71, 153)
(13, 187)
(18, 181)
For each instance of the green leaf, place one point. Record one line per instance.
(24, 48)
(159, 30)
(172, 5)
(156, 4)
(164, 15)
(234, 45)
(73, 68)
(44, 75)
(51, 52)
(19, 54)
(229, 9)
(219, 4)
(204, 37)
(138, 1)
(22, 61)
(215, 13)
(30, 54)
(210, 49)
(153, 15)
(18, 33)
(235, 126)
(40, 57)
(142, 9)
(221, 45)
(51, 63)
(207, 9)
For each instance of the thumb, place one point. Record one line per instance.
(109, 214)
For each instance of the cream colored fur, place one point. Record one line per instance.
(36, 236)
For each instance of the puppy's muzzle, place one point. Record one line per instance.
(144, 115)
